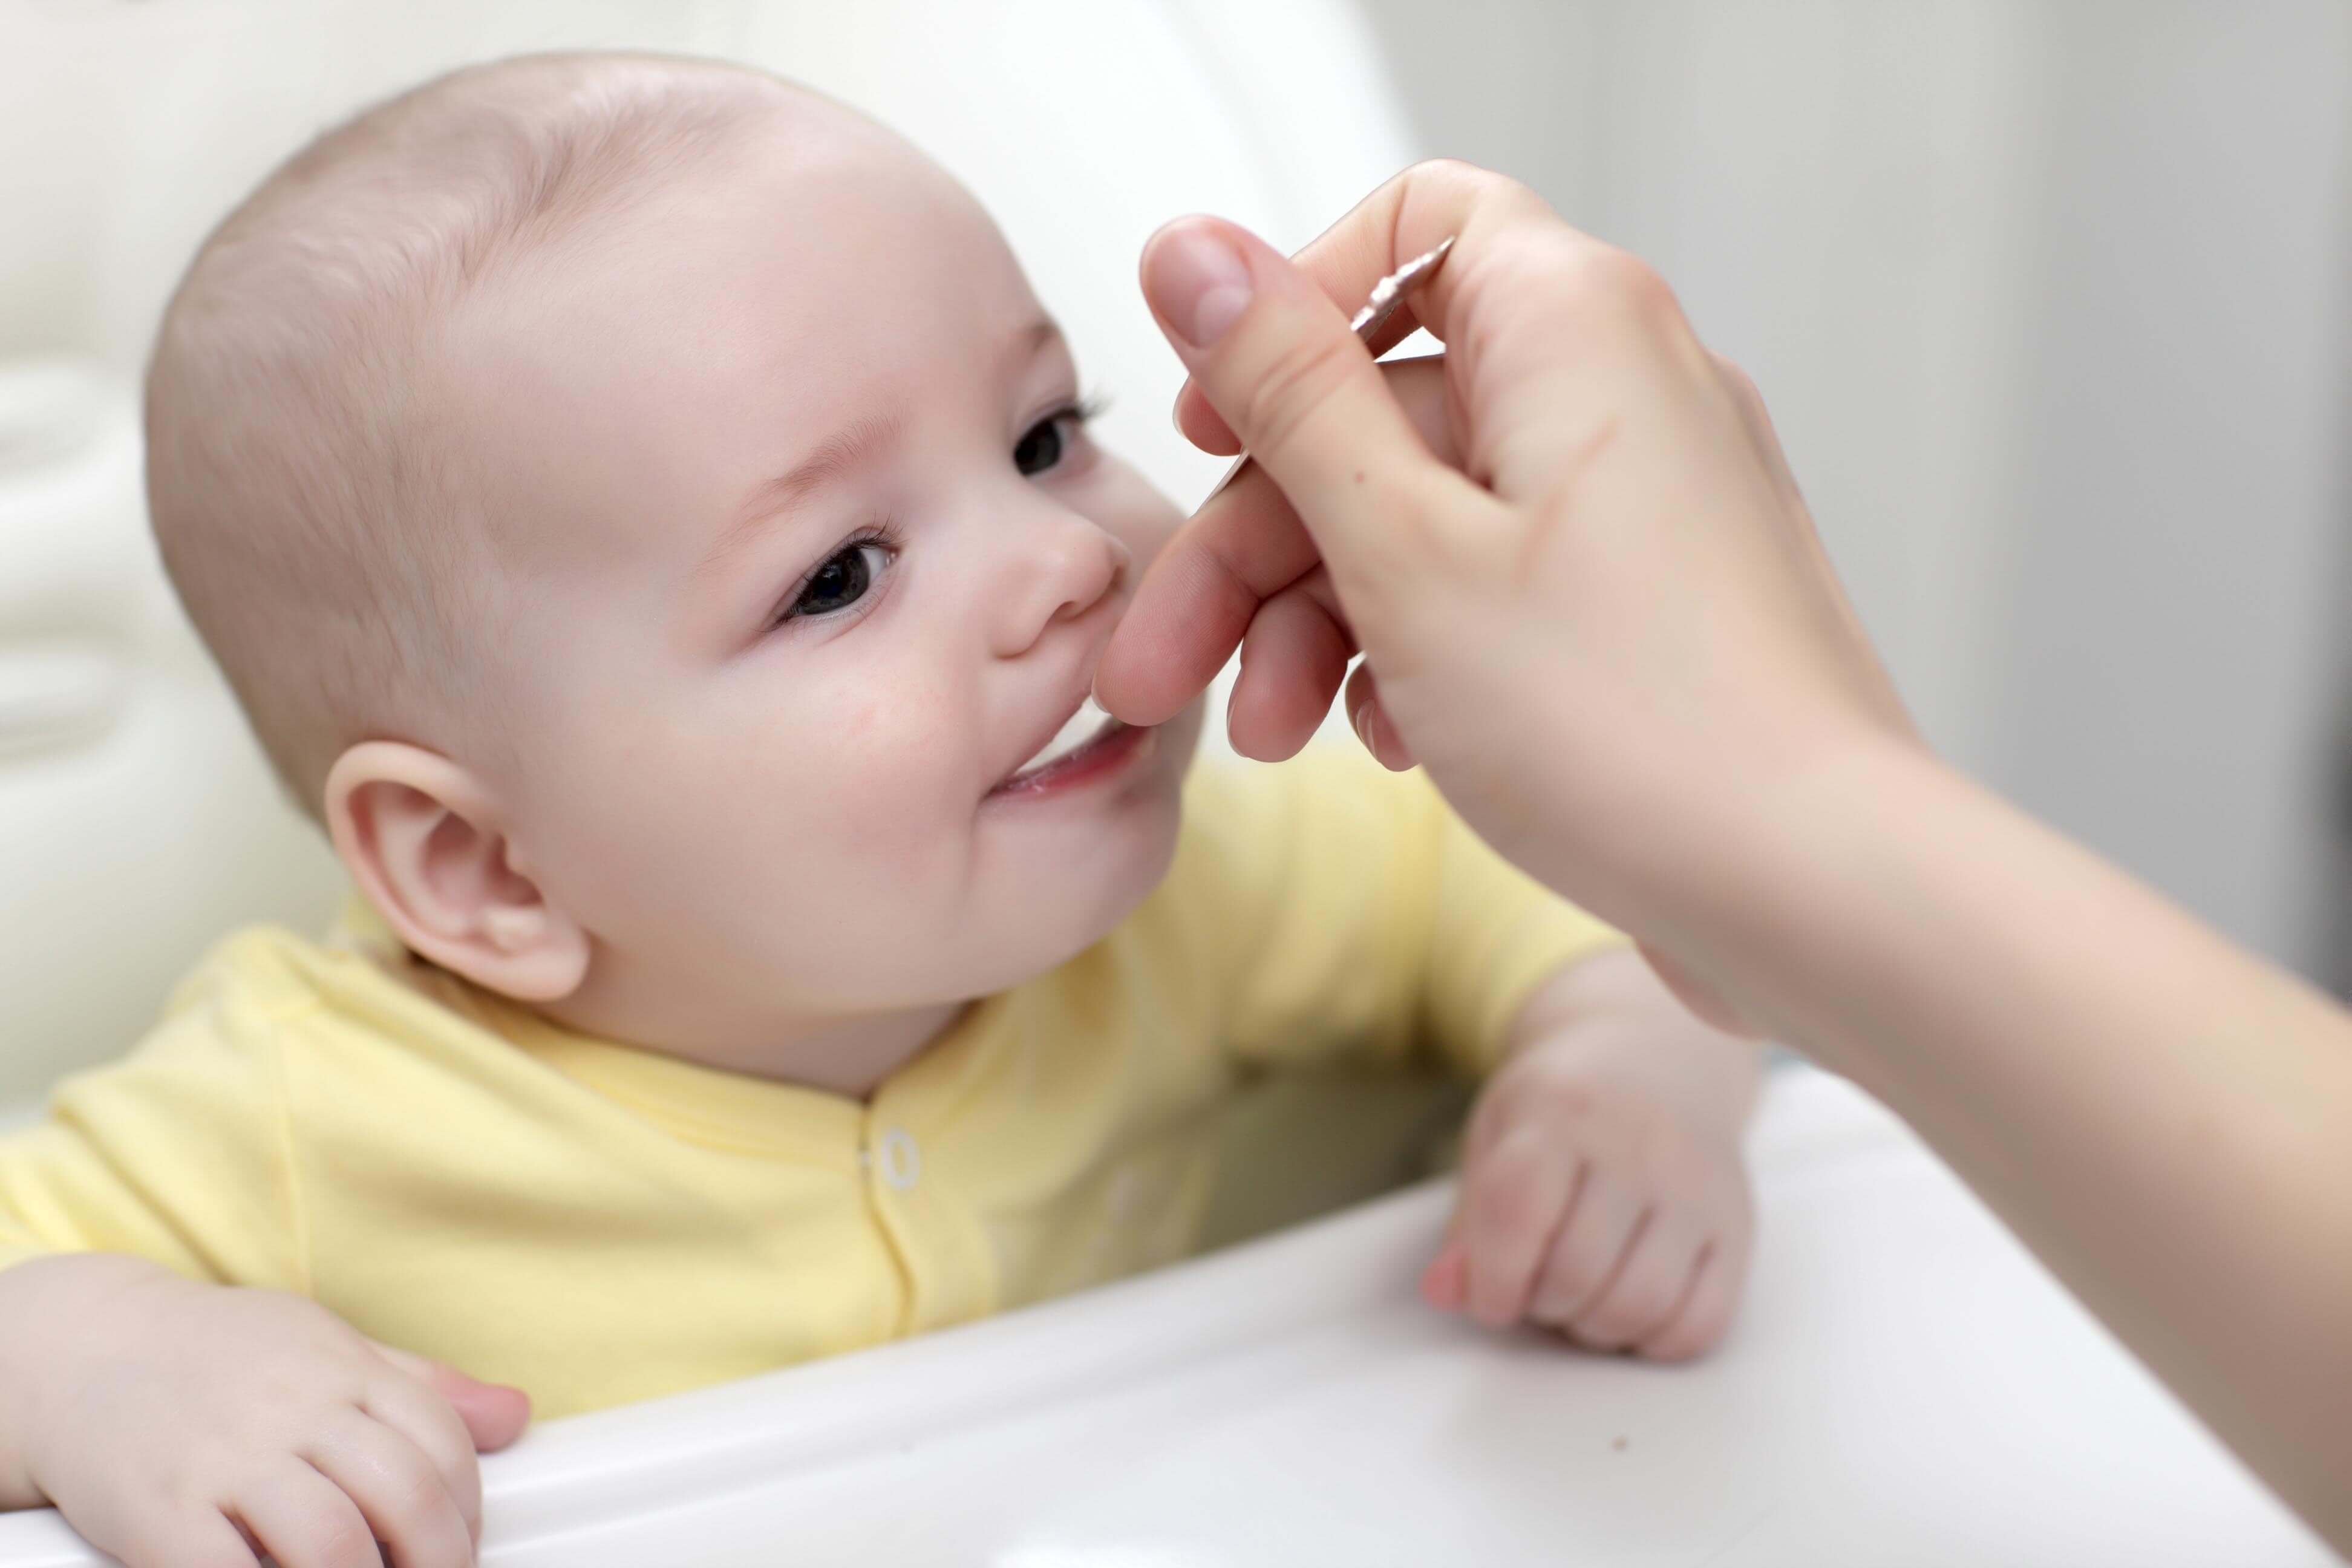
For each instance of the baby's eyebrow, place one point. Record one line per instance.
(1035, 336)
(837, 454)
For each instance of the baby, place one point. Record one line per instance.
(651, 524)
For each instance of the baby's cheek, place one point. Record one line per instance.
(892, 795)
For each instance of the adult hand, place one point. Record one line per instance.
(1598, 613)
(1587, 589)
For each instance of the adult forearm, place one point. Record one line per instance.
(2166, 1119)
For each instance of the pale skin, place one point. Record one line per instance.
(1600, 617)
(1603, 1191)
(630, 851)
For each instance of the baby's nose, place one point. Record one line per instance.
(1059, 576)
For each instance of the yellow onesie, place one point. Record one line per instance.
(452, 1173)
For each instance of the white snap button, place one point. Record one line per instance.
(899, 1158)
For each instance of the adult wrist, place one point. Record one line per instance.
(1809, 887)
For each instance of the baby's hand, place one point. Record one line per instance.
(184, 1426)
(1603, 1193)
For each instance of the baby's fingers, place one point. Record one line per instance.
(1648, 1287)
(400, 1492)
(1514, 1194)
(447, 1415)
(305, 1520)
(167, 1537)
(1706, 1312)
(490, 1415)
(1584, 1257)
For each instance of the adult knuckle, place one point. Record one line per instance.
(1441, 171)
(1631, 284)
(1736, 377)
(1295, 384)
(1487, 190)
(1422, 180)
(1600, 285)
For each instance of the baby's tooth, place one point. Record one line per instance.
(1080, 729)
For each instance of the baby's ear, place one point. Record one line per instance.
(428, 847)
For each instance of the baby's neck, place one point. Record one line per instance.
(852, 1059)
(851, 1056)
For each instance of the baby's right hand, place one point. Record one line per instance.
(177, 1425)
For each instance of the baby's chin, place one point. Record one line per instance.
(1072, 873)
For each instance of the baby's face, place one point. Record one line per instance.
(820, 555)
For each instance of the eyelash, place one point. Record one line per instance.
(1081, 411)
(884, 535)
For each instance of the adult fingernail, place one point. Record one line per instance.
(1198, 282)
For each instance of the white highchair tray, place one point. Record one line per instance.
(1905, 1385)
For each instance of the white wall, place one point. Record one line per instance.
(2050, 303)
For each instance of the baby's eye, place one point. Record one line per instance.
(1045, 441)
(842, 581)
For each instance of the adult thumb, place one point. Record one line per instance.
(1275, 357)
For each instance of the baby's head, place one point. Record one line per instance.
(648, 518)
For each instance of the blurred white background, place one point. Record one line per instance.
(2048, 296)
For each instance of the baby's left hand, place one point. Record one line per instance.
(1603, 1193)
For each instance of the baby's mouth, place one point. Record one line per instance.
(1079, 735)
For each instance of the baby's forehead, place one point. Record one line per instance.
(813, 221)
(814, 273)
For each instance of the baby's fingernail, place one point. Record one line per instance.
(1362, 720)
(1445, 1281)
(1198, 280)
